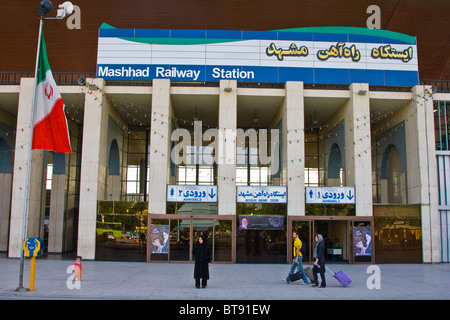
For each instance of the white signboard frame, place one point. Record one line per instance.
(191, 193)
(330, 195)
(261, 194)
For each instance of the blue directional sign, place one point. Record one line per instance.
(330, 195)
(183, 193)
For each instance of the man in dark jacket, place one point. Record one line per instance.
(319, 262)
(202, 257)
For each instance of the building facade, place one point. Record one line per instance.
(117, 176)
(164, 154)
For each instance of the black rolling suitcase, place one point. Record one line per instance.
(295, 276)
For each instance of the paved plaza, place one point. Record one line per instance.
(174, 281)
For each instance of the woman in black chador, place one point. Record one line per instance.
(202, 257)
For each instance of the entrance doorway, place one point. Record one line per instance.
(346, 239)
(171, 237)
(261, 246)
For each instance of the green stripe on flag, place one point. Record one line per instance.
(43, 65)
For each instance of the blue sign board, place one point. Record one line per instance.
(319, 55)
(336, 195)
(186, 193)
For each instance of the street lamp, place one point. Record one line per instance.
(44, 7)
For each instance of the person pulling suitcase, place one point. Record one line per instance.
(296, 262)
(319, 262)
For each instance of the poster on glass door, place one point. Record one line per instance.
(159, 239)
(362, 241)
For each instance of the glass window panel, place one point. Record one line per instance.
(191, 174)
(121, 234)
(132, 187)
(49, 176)
(136, 159)
(222, 240)
(241, 158)
(179, 240)
(136, 146)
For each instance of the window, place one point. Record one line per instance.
(441, 123)
(132, 179)
(312, 177)
(136, 170)
(49, 176)
(248, 170)
(197, 174)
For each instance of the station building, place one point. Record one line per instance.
(180, 133)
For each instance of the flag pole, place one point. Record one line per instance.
(28, 162)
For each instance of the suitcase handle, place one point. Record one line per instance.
(333, 273)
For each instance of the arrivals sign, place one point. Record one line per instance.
(260, 194)
(338, 195)
(319, 55)
(194, 193)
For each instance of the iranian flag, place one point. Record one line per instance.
(50, 130)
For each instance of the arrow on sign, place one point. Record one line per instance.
(212, 194)
(172, 192)
(311, 193)
(350, 196)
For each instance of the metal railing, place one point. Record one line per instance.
(61, 78)
(71, 78)
(438, 85)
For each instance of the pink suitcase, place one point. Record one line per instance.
(341, 276)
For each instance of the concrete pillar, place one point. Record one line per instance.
(93, 167)
(422, 170)
(5, 206)
(159, 153)
(293, 151)
(7, 125)
(56, 219)
(358, 147)
(226, 169)
(34, 216)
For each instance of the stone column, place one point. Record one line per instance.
(294, 147)
(226, 153)
(56, 219)
(93, 166)
(5, 206)
(422, 170)
(159, 153)
(358, 148)
(7, 141)
(20, 176)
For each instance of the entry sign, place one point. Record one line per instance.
(189, 193)
(33, 247)
(330, 195)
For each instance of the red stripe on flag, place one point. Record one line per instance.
(51, 132)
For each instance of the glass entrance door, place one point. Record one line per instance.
(183, 232)
(346, 239)
(180, 240)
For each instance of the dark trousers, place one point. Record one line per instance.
(320, 270)
(197, 282)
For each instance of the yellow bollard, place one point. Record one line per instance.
(32, 272)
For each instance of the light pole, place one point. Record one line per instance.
(44, 7)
